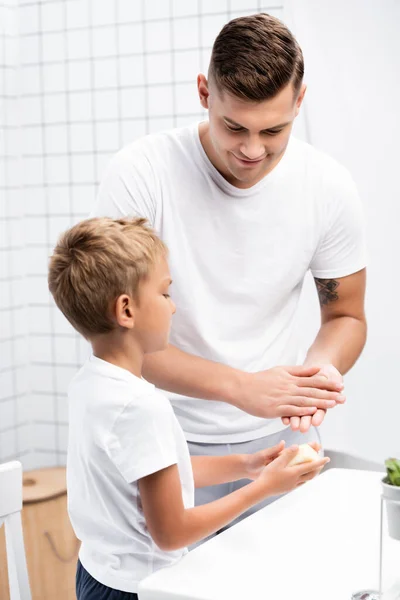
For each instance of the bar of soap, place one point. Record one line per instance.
(304, 454)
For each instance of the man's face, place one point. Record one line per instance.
(248, 138)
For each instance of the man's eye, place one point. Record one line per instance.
(233, 128)
(273, 132)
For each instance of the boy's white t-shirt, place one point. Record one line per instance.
(238, 257)
(120, 430)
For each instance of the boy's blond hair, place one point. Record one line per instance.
(95, 262)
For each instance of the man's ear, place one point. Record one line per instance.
(202, 88)
(300, 98)
(124, 312)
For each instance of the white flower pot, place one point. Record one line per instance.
(391, 494)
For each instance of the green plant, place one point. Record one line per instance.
(393, 471)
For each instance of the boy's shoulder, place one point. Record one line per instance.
(104, 391)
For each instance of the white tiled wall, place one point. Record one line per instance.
(14, 382)
(93, 75)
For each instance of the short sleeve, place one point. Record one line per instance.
(128, 187)
(143, 440)
(342, 247)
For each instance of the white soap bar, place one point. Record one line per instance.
(304, 454)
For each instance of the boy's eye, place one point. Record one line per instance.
(166, 296)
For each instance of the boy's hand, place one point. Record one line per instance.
(279, 478)
(255, 463)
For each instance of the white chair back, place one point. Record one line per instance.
(10, 515)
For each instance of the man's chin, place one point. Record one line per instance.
(247, 178)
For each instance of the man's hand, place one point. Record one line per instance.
(287, 392)
(303, 424)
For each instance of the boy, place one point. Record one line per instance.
(129, 473)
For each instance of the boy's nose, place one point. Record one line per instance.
(173, 307)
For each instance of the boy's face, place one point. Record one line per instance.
(154, 310)
(247, 139)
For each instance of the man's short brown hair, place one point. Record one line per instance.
(255, 57)
(95, 262)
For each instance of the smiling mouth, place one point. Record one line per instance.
(249, 162)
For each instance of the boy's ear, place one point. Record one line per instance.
(124, 311)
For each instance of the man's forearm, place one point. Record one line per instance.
(339, 342)
(266, 394)
(212, 470)
(176, 371)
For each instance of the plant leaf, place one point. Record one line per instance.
(393, 471)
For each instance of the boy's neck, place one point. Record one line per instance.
(120, 350)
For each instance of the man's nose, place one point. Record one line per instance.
(252, 149)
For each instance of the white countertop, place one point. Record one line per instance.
(320, 542)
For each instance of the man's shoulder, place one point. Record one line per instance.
(316, 163)
(161, 145)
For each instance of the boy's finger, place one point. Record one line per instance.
(287, 455)
(315, 445)
(274, 450)
(310, 467)
(278, 447)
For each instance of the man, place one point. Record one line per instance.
(246, 210)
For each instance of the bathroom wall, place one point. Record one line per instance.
(352, 57)
(81, 78)
(91, 76)
(14, 377)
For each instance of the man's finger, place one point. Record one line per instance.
(321, 382)
(312, 400)
(296, 411)
(318, 417)
(311, 392)
(305, 424)
(302, 371)
(332, 374)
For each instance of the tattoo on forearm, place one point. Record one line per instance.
(327, 290)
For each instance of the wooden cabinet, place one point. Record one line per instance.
(51, 547)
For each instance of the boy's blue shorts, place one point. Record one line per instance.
(88, 588)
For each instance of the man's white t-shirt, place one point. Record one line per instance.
(238, 257)
(120, 430)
